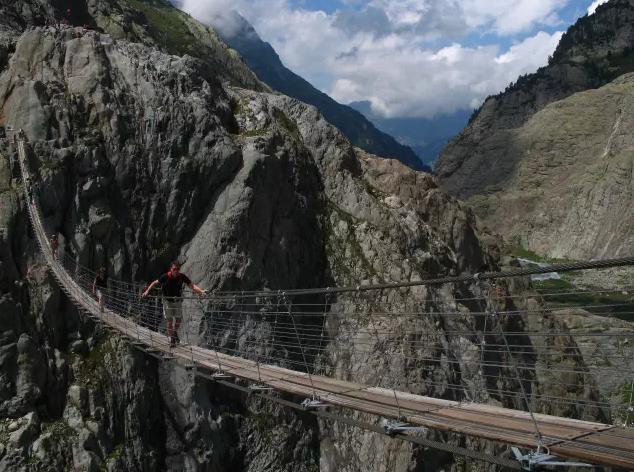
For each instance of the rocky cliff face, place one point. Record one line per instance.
(489, 161)
(571, 194)
(140, 157)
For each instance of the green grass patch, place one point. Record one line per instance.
(238, 107)
(254, 133)
(168, 26)
(515, 249)
(553, 285)
(288, 124)
(619, 305)
(116, 453)
(523, 253)
(59, 430)
(91, 366)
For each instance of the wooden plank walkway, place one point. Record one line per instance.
(593, 442)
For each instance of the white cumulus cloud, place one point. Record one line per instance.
(592, 8)
(410, 81)
(383, 51)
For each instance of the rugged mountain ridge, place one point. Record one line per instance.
(572, 192)
(264, 61)
(487, 163)
(151, 22)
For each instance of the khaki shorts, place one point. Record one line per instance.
(173, 309)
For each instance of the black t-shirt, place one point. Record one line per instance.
(101, 282)
(172, 286)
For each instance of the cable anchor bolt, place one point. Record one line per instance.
(313, 404)
(392, 428)
(537, 459)
(259, 388)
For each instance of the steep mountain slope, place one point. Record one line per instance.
(487, 157)
(265, 62)
(571, 193)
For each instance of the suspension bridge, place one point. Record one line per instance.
(471, 364)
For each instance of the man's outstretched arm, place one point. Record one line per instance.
(196, 289)
(149, 289)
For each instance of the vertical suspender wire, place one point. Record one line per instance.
(483, 347)
(256, 353)
(401, 417)
(538, 434)
(155, 322)
(240, 325)
(188, 333)
(289, 305)
(211, 329)
(140, 314)
(230, 310)
(271, 357)
(629, 414)
(323, 324)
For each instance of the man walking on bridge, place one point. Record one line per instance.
(54, 245)
(99, 286)
(172, 287)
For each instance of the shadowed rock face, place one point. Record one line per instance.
(571, 192)
(489, 161)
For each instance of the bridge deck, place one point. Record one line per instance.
(593, 442)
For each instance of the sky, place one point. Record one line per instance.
(408, 58)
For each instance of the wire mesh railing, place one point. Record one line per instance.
(488, 351)
(488, 338)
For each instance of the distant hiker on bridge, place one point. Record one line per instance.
(99, 286)
(29, 188)
(54, 245)
(172, 287)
